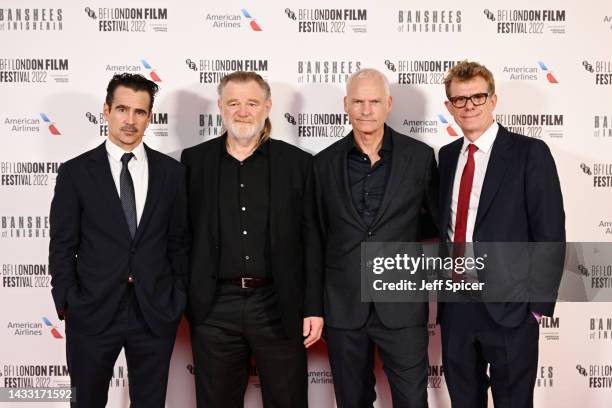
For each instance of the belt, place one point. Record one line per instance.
(247, 282)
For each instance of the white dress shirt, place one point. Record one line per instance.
(139, 170)
(481, 159)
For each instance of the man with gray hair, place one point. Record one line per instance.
(374, 185)
(255, 265)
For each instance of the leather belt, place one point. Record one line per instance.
(244, 283)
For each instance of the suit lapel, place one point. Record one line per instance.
(100, 171)
(496, 168)
(448, 181)
(210, 201)
(400, 159)
(342, 180)
(154, 188)
(276, 185)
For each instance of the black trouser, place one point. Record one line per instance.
(242, 323)
(402, 351)
(471, 341)
(91, 359)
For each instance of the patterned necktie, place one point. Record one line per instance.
(126, 192)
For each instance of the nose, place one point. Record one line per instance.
(243, 111)
(469, 105)
(367, 108)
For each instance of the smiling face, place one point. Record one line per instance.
(368, 105)
(473, 120)
(244, 107)
(128, 117)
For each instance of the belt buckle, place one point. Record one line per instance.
(244, 282)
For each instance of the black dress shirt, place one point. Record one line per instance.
(367, 182)
(244, 202)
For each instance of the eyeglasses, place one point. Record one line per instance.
(477, 100)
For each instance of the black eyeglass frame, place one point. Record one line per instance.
(454, 100)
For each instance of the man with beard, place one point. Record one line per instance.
(255, 275)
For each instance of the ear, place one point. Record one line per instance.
(494, 100)
(106, 111)
(268, 105)
(449, 107)
(389, 103)
(346, 104)
(219, 104)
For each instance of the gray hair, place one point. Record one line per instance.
(365, 73)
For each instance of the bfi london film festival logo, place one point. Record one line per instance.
(602, 126)
(425, 127)
(228, 21)
(530, 73)
(211, 71)
(598, 375)
(34, 376)
(528, 22)
(550, 328)
(44, 327)
(419, 72)
(599, 275)
(601, 71)
(31, 125)
(25, 276)
(319, 124)
(158, 124)
(144, 68)
(600, 328)
(601, 174)
(326, 71)
(329, 21)
(34, 71)
(435, 376)
(31, 19)
(24, 175)
(129, 19)
(430, 21)
(536, 125)
(24, 226)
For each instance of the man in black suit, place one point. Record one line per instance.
(255, 276)
(374, 185)
(495, 186)
(118, 254)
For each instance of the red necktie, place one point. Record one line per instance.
(463, 205)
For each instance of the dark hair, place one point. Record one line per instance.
(135, 82)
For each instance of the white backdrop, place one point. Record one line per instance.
(551, 59)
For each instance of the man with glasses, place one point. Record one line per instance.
(495, 186)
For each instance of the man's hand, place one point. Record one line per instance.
(313, 328)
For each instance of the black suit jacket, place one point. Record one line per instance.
(91, 252)
(294, 253)
(409, 201)
(520, 201)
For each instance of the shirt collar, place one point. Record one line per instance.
(485, 141)
(115, 152)
(387, 144)
(262, 149)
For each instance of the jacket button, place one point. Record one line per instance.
(132, 250)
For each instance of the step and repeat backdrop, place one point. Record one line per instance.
(552, 62)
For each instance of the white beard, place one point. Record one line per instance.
(243, 131)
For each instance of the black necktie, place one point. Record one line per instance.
(126, 192)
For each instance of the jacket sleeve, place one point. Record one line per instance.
(313, 256)
(64, 238)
